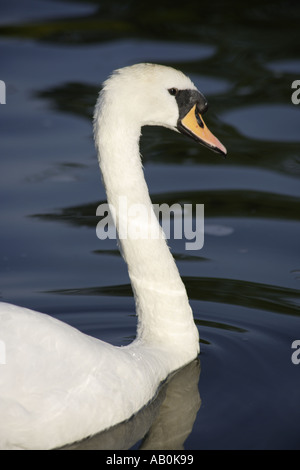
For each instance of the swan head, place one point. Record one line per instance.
(150, 94)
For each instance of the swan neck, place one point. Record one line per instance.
(161, 300)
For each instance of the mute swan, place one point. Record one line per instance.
(59, 385)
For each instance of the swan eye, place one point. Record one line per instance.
(173, 91)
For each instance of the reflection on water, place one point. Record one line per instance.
(265, 122)
(244, 283)
(164, 424)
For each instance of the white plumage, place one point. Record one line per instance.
(59, 385)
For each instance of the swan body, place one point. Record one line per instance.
(59, 385)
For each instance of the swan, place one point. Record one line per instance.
(58, 385)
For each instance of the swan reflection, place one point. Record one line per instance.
(164, 424)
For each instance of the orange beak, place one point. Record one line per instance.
(193, 125)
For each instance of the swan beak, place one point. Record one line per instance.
(193, 125)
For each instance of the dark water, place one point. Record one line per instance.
(244, 283)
